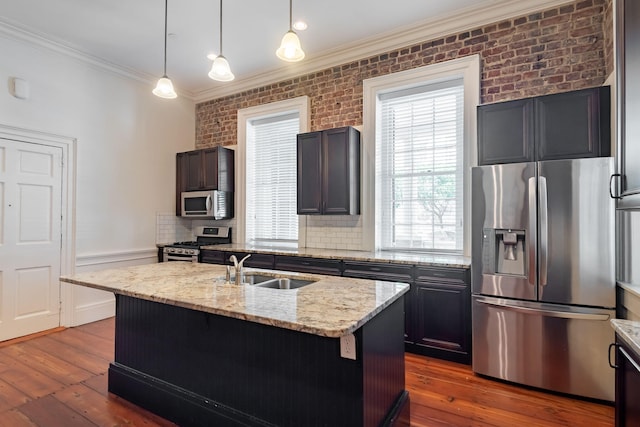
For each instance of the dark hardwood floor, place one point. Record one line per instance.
(59, 379)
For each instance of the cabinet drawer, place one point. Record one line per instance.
(308, 265)
(378, 271)
(450, 275)
(212, 257)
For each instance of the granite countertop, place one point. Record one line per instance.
(629, 331)
(439, 260)
(331, 307)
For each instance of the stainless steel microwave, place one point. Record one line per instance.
(212, 204)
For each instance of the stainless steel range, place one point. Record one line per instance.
(190, 251)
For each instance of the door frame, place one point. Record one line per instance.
(68, 247)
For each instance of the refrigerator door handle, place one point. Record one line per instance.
(532, 231)
(569, 313)
(544, 229)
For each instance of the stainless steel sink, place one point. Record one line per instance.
(284, 283)
(254, 279)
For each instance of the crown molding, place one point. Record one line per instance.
(13, 31)
(485, 13)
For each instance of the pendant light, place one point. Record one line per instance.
(164, 88)
(290, 49)
(220, 69)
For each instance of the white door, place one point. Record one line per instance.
(30, 221)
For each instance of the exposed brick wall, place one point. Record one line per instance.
(555, 50)
(609, 57)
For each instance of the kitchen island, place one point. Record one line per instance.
(199, 351)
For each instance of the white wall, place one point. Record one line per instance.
(126, 140)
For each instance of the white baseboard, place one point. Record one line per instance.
(93, 312)
(80, 308)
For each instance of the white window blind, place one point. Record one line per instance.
(420, 168)
(271, 180)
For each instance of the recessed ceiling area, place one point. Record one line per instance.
(129, 35)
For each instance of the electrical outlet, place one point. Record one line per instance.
(348, 347)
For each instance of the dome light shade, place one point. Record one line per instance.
(220, 70)
(164, 88)
(290, 49)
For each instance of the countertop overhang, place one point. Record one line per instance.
(417, 258)
(331, 307)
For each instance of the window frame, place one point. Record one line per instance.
(300, 105)
(467, 69)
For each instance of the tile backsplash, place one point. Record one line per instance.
(334, 232)
(323, 232)
(171, 228)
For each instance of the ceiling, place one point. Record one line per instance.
(128, 35)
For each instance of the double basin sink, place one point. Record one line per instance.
(272, 282)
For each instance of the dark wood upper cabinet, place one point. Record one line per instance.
(328, 172)
(628, 91)
(206, 169)
(566, 125)
(505, 132)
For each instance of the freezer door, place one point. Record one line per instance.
(503, 228)
(576, 232)
(551, 346)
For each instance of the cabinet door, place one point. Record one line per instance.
(627, 387)
(442, 313)
(194, 180)
(573, 125)
(341, 177)
(209, 168)
(309, 173)
(182, 169)
(628, 67)
(506, 132)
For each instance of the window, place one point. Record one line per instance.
(420, 162)
(271, 180)
(420, 127)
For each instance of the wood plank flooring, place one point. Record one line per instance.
(60, 379)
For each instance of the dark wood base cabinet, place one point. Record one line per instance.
(200, 369)
(627, 385)
(441, 314)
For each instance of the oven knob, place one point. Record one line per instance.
(179, 251)
(192, 251)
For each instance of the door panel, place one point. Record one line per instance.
(580, 233)
(504, 203)
(30, 237)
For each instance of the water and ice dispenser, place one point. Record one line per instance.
(503, 252)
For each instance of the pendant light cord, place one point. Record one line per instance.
(166, 2)
(220, 27)
(290, 15)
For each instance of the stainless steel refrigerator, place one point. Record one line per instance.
(543, 274)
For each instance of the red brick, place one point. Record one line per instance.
(554, 50)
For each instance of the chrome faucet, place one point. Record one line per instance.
(238, 267)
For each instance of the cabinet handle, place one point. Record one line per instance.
(375, 269)
(612, 345)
